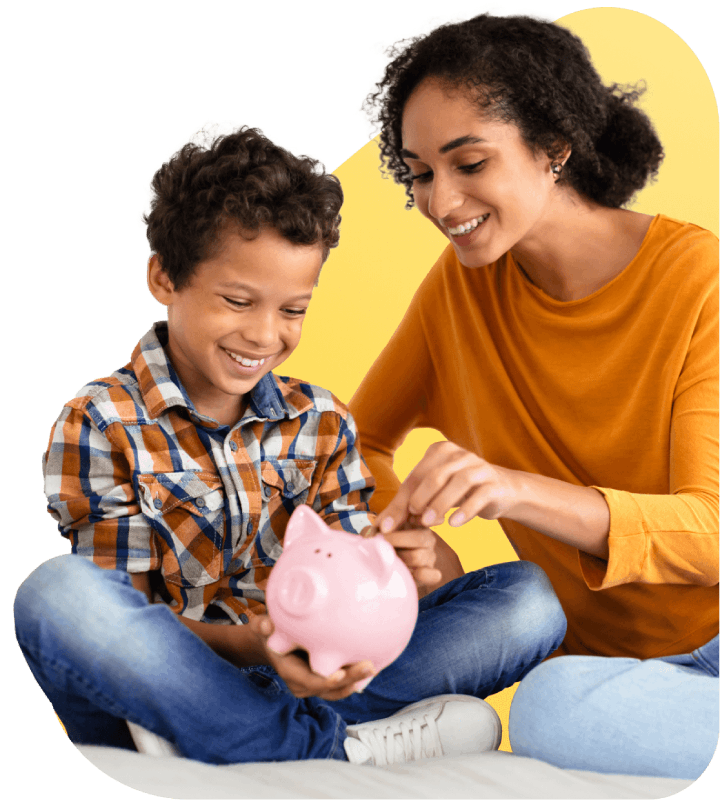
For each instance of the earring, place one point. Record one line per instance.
(556, 169)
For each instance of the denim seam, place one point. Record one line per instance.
(705, 665)
(337, 741)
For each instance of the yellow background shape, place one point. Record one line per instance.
(386, 251)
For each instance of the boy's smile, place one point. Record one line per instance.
(239, 317)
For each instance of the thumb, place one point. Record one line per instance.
(262, 624)
(396, 512)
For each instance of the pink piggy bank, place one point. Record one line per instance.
(340, 596)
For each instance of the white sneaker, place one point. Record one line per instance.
(447, 725)
(150, 743)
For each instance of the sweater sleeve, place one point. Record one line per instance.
(392, 400)
(673, 538)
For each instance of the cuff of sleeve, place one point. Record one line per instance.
(627, 544)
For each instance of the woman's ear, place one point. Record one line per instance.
(160, 285)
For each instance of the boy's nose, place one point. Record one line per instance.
(262, 331)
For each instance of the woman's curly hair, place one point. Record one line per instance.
(538, 76)
(241, 181)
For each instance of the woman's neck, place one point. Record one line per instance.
(579, 248)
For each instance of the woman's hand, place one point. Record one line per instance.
(447, 477)
(298, 676)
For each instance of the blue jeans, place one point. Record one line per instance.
(102, 654)
(621, 715)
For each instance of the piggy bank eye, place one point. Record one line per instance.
(329, 554)
(318, 550)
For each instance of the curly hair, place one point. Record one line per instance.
(538, 76)
(244, 180)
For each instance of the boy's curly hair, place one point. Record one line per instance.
(240, 180)
(538, 76)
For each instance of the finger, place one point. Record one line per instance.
(400, 509)
(352, 675)
(451, 490)
(483, 502)
(396, 512)
(426, 576)
(411, 539)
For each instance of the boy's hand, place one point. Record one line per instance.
(298, 676)
(415, 546)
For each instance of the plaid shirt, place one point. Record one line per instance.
(139, 481)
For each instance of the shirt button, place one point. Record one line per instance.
(244, 619)
(157, 502)
(200, 503)
(290, 486)
(233, 446)
(267, 492)
(250, 527)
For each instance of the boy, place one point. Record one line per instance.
(174, 479)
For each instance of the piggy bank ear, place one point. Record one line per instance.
(382, 557)
(303, 522)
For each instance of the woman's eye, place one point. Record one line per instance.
(237, 303)
(470, 168)
(422, 177)
(295, 312)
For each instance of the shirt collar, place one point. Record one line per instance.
(161, 388)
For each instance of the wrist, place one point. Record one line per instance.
(239, 644)
(576, 515)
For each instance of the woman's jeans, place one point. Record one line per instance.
(102, 654)
(621, 715)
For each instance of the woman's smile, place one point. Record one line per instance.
(474, 177)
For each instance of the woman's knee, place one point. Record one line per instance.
(535, 706)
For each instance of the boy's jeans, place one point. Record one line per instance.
(102, 654)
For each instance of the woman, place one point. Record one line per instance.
(567, 349)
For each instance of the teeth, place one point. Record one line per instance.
(246, 362)
(466, 227)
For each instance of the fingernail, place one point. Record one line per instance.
(457, 518)
(428, 517)
(387, 525)
(337, 676)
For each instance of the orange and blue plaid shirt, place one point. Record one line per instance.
(139, 481)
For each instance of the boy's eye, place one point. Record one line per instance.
(293, 312)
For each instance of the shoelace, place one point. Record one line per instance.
(383, 742)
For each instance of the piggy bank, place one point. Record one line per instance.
(339, 596)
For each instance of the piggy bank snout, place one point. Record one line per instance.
(303, 591)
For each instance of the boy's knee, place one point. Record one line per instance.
(536, 606)
(59, 583)
(47, 581)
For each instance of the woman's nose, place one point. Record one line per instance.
(444, 197)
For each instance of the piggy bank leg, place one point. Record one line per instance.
(326, 663)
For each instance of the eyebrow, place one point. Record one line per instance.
(244, 287)
(461, 141)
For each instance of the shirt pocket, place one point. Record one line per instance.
(285, 485)
(187, 511)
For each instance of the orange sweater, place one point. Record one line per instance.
(617, 390)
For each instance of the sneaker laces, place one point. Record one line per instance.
(403, 741)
